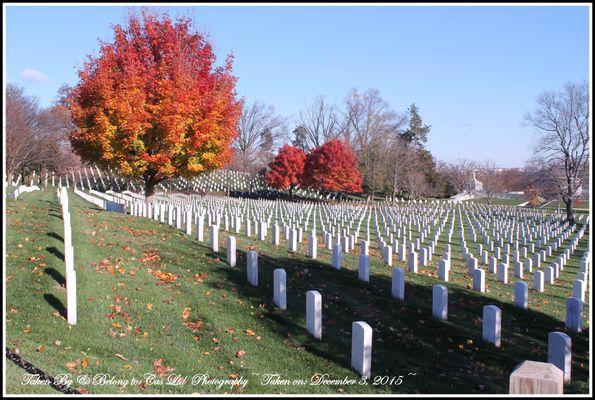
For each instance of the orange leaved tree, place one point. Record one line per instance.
(153, 105)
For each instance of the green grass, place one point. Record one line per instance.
(447, 356)
(18, 379)
(579, 207)
(499, 202)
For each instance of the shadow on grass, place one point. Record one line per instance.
(447, 356)
(55, 236)
(56, 303)
(53, 250)
(56, 275)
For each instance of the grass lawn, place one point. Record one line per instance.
(153, 300)
(579, 207)
(499, 202)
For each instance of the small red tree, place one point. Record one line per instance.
(153, 105)
(286, 169)
(333, 167)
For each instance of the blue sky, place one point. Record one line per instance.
(473, 71)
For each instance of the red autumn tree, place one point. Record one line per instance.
(286, 169)
(153, 104)
(333, 167)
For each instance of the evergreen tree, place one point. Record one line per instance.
(300, 137)
(417, 132)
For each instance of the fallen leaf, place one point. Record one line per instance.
(160, 369)
(71, 365)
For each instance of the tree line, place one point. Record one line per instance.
(37, 138)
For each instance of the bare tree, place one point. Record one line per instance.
(259, 131)
(55, 125)
(22, 127)
(36, 139)
(491, 180)
(416, 184)
(512, 179)
(461, 173)
(320, 123)
(369, 124)
(561, 120)
(401, 159)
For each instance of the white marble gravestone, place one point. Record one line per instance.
(559, 352)
(280, 288)
(440, 302)
(361, 348)
(314, 313)
(492, 317)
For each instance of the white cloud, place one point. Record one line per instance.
(33, 76)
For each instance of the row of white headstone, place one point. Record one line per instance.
(492, 318)
(71, 300)
(24, 189)
(361, 335)
(91, 199)
(294, 237)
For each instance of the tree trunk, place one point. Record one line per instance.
(149, 191)
(569, 211)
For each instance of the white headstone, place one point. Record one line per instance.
(314, 313)
(336, 263)
(492, 318)
(549, 275)
(361, 348)
(231, 251)
(559, 352)
(363, 271)
(521, 295)
(518, 269)
(493, 265)
(71, 304)
(412, 262)
(312, 246)
(440, 301)
(503, 273)
(215, 238)
(538, 281)
(200, 228)
(574, 314)
(280, 289)
(479, 280)
(293, 240)
(443, 270)
(365, 249)
(276, 233)
(398, 283)
(252, 267)
(579, 288)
